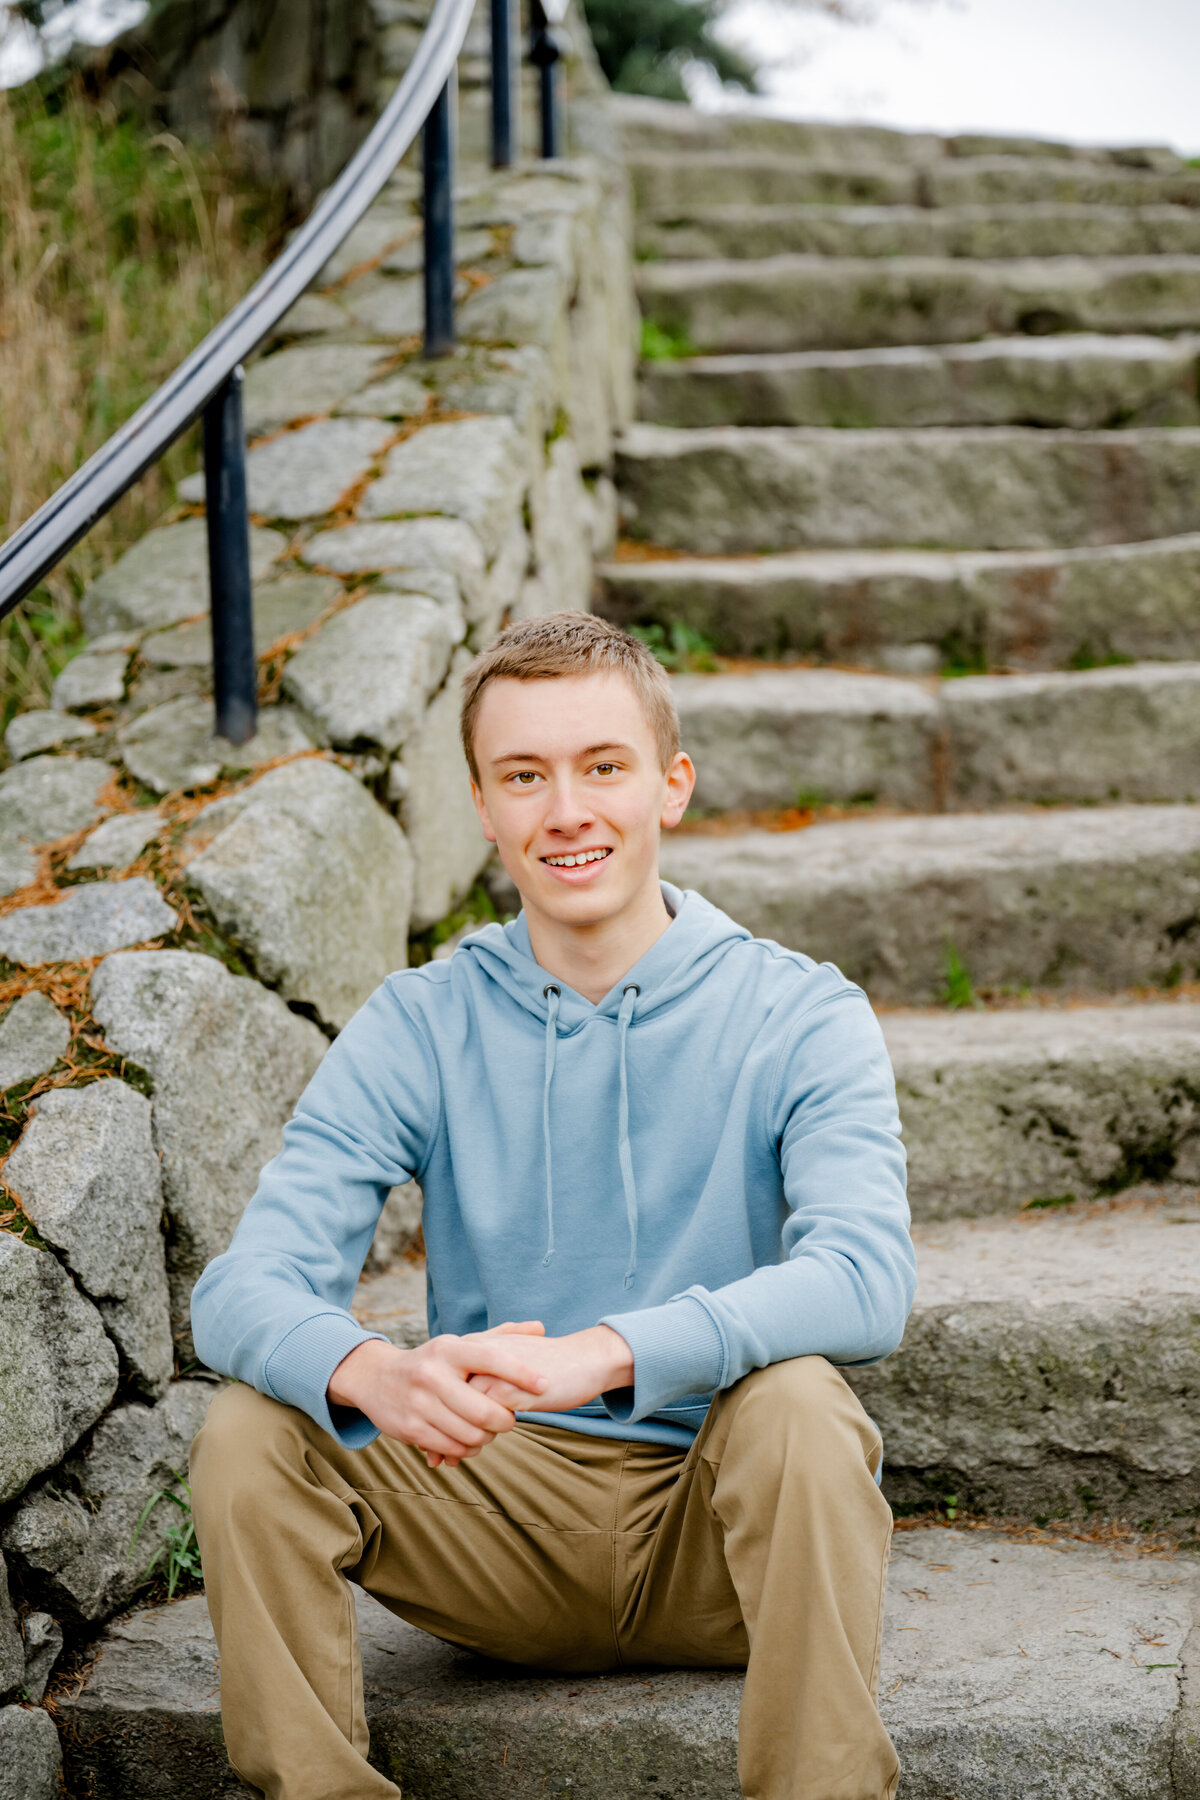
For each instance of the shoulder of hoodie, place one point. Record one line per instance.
(797, 981)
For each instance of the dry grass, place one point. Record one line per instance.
(119, 248)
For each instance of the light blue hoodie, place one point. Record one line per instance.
(708, 1161)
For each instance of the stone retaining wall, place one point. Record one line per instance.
(185, 925)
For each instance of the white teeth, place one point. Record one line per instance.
(571, 862)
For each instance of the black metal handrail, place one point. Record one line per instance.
(209, 381)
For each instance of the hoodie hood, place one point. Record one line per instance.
(697, 937)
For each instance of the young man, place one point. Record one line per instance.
(664, 1196)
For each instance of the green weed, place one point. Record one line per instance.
(664, 343)
(178, 1552)
(679, 647)
(957, 987)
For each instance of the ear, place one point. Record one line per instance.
(489, 830)
(680, 779)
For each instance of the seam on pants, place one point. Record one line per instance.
(493, 1512)
(612, 1558)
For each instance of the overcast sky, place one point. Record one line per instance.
(1095, 70)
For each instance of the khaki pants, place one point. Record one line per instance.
(763, 1546)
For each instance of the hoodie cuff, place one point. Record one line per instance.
(299, 1369)
(677, 1350)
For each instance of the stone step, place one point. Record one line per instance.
(811, 737)
(731, 489)
(847, 303)
(648, 124)
(1092, 900)
(1032, 609)
(1036, 1106)
(1008, 1668)
(1038, 229)
(669, 183)
(1085, 382)
(1049, 1366)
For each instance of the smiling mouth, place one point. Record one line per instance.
(576, 859)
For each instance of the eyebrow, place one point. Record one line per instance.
(526, 756)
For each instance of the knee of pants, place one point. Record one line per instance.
(802, 1404)
(244, 1437)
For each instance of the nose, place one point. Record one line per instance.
(569, 811)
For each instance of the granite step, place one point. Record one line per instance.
(648, 124)
(1039, 1105)
(918, 609)
(1037, 229)
(1084, 381)
(811, 737)
(667, 183)
(846, 303)
(731, 489)
(1088, 900)
(1045, 1668)
(1049, 1367)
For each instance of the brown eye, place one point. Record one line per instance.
(605, 768)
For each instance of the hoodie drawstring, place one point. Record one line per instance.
(624, 1153)
(551, 994)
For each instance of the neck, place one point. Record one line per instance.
(592, 958)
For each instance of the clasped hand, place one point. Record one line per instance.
(453, 1396)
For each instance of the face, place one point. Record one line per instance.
(568, 768)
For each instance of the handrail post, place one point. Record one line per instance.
(545, 50)
(438, 181)
(502, 85)
(235, 667)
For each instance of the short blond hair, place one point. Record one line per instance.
(572, 643)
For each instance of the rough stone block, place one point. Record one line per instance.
(561, 518)
(12, 1646)
(667, 183)
(387, 306)
(525, 306)
(396, 396)
(1001, 1109)
(163, 578)
(172, 747)
(228, 1060)
(400, 544)
(1091, 900)
(1099, 734)
(58, 1370)
(32, 732)
(820, 302)
(437, 813)
(304, 473)
(43, 1647)
(33, 1035)
(91, 680)
(268, 862)
(1083, 382)
(1028, 609)
(1014, 1696)
(1048, 1366)
(789, 737)
(75, 1537)
(30, 1757)
(87, 1174)
(1009, 180)
(471, 469)
(49, 797)
(727, 490)
(118, 841)
(365, 677)
(1039, 229)
(399, 1223)
(280, 608)
(87, 921)
(305, 379)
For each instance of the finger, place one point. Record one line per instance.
(483, 1355)
(515, 1399)
(474, 1406)
(464, 1436)
(529, 1328)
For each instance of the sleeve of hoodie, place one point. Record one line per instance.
(274, 1309)
(846, 1280)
